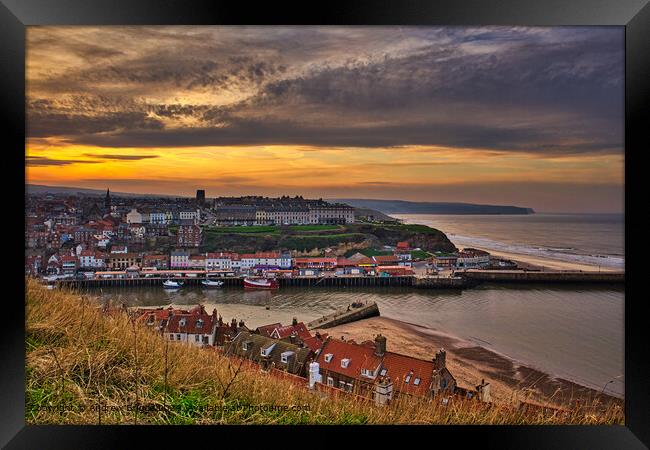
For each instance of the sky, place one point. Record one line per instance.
(531, 117)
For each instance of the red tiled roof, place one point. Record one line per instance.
(266, 330)
(313, 343)
(385, 258)
(360, 356)
(403, 244)
(192, 322)
(400, 366)
(344, 262)
(286, 331)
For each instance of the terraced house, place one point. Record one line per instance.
(369, 370)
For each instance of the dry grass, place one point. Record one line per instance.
(87, 367)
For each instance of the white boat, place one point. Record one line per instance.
(170, 284)
(212, 283)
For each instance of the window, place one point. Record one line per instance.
(342, 384)
(328, 357)
(407, 379)
(345, 362)
(416, 382)
(443, 383)
(383, 372)
(348, 387)
(178, 337)
(330, 381)
(197, 338)
(171, 337)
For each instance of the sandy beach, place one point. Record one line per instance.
(533, 262)
(510, 381)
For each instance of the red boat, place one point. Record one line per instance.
(260, 283)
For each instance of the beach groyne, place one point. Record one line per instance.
(345, 316)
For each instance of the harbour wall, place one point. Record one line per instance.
(520, 276)
(344, 316)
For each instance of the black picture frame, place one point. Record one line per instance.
(634, 15)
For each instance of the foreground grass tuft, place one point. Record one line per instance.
(86, 367)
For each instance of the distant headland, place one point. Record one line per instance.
(406, 207)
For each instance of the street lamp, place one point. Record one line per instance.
(610, 381)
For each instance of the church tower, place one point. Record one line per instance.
(107, 202)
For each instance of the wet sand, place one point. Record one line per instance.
(510, 381)
(540, 263)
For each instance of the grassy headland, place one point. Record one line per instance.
(315, 238)
(80, 359)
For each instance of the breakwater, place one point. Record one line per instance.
(345, 316)
(521, 276)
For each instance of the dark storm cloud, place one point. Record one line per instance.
(121, 157)
(44, 161)
(542, 90)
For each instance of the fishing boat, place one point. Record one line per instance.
(171, 284)
(260, 283)
(212, 283)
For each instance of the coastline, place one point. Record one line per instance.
(541, 263)
(510, 380)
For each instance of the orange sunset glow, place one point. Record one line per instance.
(529, 117)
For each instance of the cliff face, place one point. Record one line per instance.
(428, 239)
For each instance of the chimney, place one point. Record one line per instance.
(294, 322)
(241, 324)
(233, 324)
(380, 345)
(214, 313)
(440, 360)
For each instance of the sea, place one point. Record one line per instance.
(594, 239)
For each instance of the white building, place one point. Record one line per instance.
(194, 216)
(133, 216)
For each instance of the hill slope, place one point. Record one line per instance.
(79, 359)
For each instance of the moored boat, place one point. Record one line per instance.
(212, 283)
(171, 284)
(260, 283)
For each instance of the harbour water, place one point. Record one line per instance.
(575, 332)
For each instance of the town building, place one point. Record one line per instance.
(188, 236)
(270, 353)
(472, 258)
(368, 369)
(196, 328)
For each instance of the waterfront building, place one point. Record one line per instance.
(470, 258)
(444, 260)
(158, 261)
(121, 261)
(89, 259)
(180, 259)
(69, 264)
